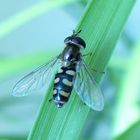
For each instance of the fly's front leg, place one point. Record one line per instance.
(102, 72)
(90, 53)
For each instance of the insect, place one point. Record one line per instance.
(69, 71)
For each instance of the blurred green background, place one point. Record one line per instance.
(31, 33)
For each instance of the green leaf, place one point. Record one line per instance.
(101, 24)
(132, 133)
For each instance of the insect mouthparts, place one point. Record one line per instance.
(59, 105)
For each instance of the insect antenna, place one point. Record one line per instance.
(76, 34)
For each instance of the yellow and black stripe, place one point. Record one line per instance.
(63, 83)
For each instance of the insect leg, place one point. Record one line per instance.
(90, 53)
(102, 72)
(50, 100)
(76, 34)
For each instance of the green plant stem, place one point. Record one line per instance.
(13, 137)
(132, 133)
(101, 26)
(128, 98)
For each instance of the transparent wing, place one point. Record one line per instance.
(37, 78)
(87, 88)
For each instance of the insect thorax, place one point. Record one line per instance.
(71, 54)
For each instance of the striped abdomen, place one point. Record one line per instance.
(63, 83)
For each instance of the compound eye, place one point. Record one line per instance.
(67, 40)
(75, 41)
(79, 41)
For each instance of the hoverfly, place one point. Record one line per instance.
(69, 71)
